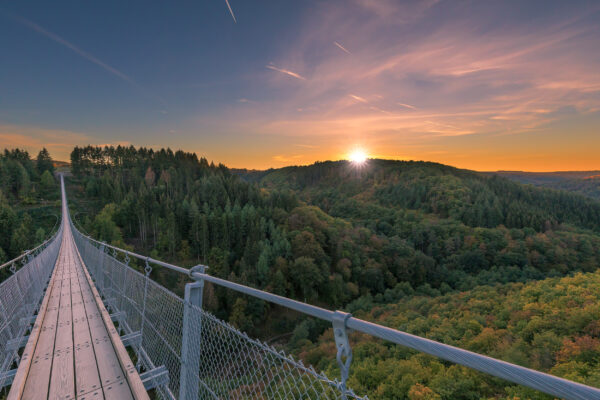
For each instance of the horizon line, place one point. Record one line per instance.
(370, 159)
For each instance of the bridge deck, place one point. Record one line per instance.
(74, 351)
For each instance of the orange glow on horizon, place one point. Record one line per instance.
(537, 152)
(484, 161)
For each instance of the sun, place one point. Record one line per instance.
(358, 156)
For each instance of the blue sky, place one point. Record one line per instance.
(477, 84)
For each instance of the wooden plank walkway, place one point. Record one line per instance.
(74, 351)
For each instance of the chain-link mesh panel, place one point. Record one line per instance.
(219, 362)
(232, 365)
(20, 295)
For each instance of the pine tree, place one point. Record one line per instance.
(44, 162)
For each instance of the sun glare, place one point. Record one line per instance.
(358, 156)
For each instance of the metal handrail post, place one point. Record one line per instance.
(344, 351)
(147, 271)
(191, 338)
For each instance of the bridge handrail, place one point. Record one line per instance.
(20, 295)
(38, 248)
(541, 381)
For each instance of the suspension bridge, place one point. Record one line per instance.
(78, 321)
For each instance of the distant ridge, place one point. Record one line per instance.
(583, 182)
(561, 174)
(58, 164)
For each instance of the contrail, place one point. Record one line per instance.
(342, 47)
(407, 106)
(230, 11)
(287, 72)
(71, 46)
(90, 57)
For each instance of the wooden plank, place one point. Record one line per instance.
(38, 377)
(108, 364)
(132, 377)
(74, 350)
(111, 373)
(18, 385)
(93, 395)
(62, 380)
(87, 377)
(118, 390)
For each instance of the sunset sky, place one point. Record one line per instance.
(484, 85)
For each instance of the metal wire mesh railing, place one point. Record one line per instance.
(204, 356)
(20, 294)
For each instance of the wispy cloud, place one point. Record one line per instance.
(287, 159)
(341, 47)
(122, 143)
(231, 11)
(358, 98)
(466, 78)
(440, 129)
(407, 106)
(429, 80)
(286, 71)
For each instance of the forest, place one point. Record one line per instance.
(583, 182)
(550, 325)
(380, 240)
(28, 201)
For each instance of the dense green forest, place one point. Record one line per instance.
(551, 325)
(29, 201)
(584, 182)
(472, 198)
(337, 235)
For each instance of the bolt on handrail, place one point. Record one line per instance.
(543, 382)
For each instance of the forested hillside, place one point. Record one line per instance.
(422, 247)
(28, 201)
(330, 233)
(472, 198)
(585, 182)
(551, 325)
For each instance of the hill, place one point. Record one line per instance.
(476, 199)
(582, 182)
(385, 238)
(330, 233)
(60, 164)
